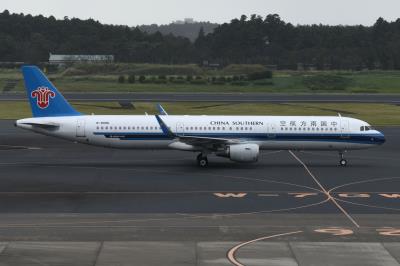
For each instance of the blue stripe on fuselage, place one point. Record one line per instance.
(350, 138)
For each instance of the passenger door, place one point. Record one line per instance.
(271, 131)
(180, 129)
(344, 128)
(80, 128)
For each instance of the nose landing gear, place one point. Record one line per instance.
(343, 161)
(202, 160)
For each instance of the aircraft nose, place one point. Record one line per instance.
(380, 139)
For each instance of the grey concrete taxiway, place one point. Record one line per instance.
(69, 204)
(218, 97)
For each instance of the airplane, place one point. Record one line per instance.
(238, 138)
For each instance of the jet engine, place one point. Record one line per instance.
(242, 153)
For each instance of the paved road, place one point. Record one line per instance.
(118, 207)
(166, 189)
(220, 97)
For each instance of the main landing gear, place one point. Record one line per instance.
(343, 161)
(202, 160)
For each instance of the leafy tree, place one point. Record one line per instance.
(247, 40)
(121, 79)
(131, 78)
(142, 79)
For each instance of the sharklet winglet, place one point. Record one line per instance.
(161, 110)
(166, 130)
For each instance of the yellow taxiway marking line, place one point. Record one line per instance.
(327, 193)
(231, 255)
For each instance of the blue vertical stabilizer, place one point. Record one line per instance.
(45, 99)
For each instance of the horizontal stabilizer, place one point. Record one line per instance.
(41, 124)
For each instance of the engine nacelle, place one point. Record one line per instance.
(243, 153)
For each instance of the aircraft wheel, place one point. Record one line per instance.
(343, 162)
(202, 161)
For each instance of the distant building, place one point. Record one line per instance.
(189, 20)
(59, 59)
(209, 64)
(185, 21)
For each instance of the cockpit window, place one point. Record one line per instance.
(366, 128)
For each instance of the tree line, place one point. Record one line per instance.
(248, 40)
(188, 30)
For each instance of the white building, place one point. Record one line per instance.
(59, 59)
(185, 21)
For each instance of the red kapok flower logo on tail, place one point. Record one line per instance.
(43, 95)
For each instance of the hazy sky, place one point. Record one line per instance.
(136, 12)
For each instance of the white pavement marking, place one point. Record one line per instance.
(327, 193)
(19, 147)
(231, 255)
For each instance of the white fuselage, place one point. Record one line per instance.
(269, 132)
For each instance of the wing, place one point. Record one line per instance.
(206, 141)
(197, 141)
